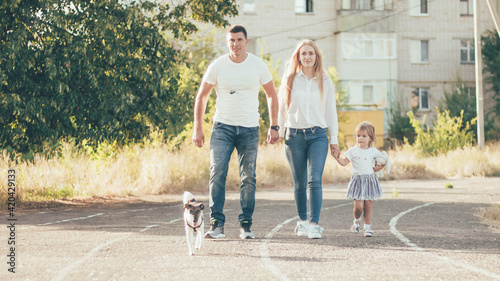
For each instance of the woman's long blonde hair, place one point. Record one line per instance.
(294, 66)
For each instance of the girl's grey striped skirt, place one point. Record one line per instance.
(364, 187)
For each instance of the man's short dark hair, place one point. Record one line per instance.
(237, 28)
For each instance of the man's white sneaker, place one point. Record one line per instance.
(302, 228)
(315, 231)
(368, 233)
(245, 232)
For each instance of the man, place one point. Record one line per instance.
(237, 77)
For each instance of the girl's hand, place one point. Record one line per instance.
(377, 168)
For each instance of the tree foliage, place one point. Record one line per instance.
(460, 102)
(400, 127)
(491, 63)
(97, 70)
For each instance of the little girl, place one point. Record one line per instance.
(363, 187)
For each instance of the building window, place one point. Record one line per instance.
(368, 48)
(467, 51)
(367, 93)
(420, 98)
(249, 6)
(418, 7)
(356, 4)
(419, 51)
(423, 6)
(303, 6)
(466, 7)
(380, 5)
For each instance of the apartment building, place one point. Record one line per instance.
(385, 51)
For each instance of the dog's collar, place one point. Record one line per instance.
(195, 227)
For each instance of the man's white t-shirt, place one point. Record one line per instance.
(237, 86)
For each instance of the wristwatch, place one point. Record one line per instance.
(276, 128)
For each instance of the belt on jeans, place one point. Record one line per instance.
(305, 130)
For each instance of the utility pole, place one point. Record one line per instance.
(494, 16)
(479, 77)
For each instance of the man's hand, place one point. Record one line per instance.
(198, 137)
(272, 136)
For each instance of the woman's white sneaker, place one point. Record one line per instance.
(315, 232)
(302, 228)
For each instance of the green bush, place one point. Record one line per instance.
(448, 133)
(400, 127)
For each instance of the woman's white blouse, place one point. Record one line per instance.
(307, 108)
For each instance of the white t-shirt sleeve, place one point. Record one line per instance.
(349, 153)
(211, 74)
(266, 75)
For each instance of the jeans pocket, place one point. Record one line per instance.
(319, 131)
(216, 126)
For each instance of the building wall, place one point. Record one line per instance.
(278, 27)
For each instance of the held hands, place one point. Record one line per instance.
(273, 136)
(335, 150)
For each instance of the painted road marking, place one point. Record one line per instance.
(264, 249)
(407, 241)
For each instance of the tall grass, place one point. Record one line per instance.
(155, 168)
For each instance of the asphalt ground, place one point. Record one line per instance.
(422, 231)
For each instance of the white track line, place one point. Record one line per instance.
(407, 241)
(69, 268)
(264, 250)
(100, 214)
(73, 219)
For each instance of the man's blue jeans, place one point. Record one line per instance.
(224, 140)
(306, 151)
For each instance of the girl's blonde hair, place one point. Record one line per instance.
(294, 66)
(369, 129)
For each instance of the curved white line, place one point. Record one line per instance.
(67, 269)
(264, 250)
(407, 241)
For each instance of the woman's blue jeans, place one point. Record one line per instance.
(224, 140)
(306, 151)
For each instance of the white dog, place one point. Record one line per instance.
(193, 218)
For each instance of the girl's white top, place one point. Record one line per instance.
(307, 109)
(362, 159)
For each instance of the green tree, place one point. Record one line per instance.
(461, 102)
(263, 106)
(400, 126)
(491, 63)
(96, 70)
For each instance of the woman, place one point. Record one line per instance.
(307, 111)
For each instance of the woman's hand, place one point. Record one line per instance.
(335, 150)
